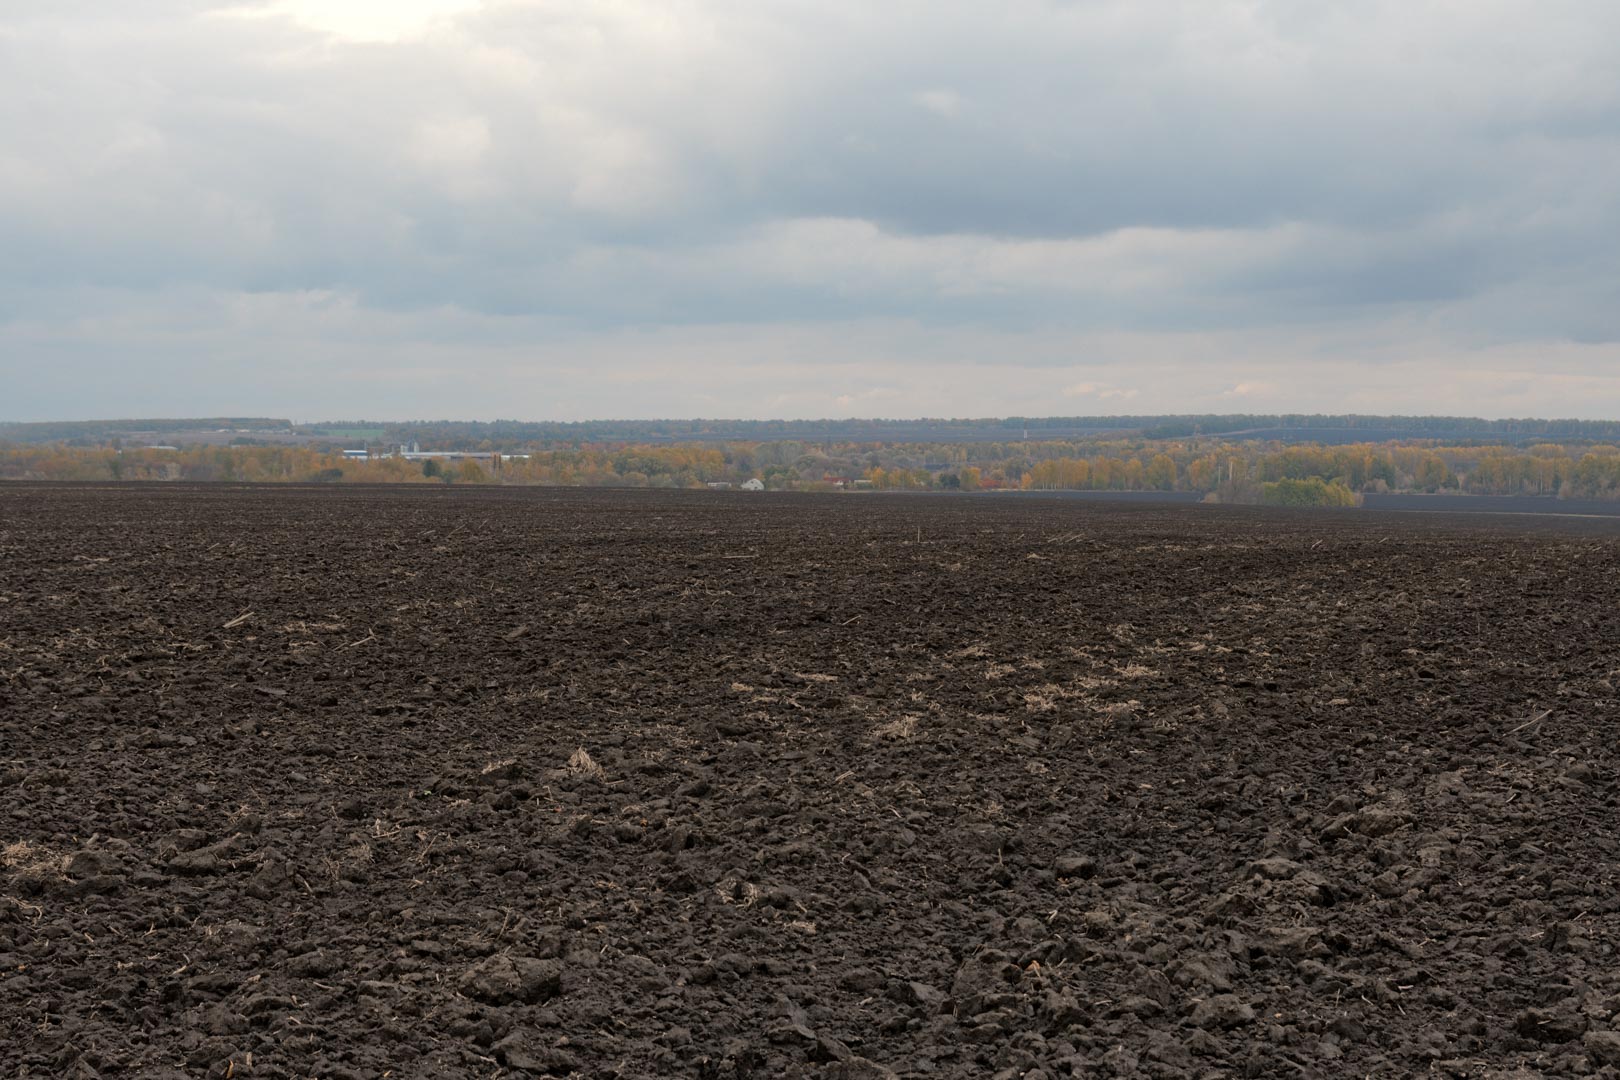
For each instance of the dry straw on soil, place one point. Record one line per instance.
(28, 860)
(582, 764)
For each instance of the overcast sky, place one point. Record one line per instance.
(645, 208)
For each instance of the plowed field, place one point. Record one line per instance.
(462, 782)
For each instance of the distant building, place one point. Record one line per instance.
(755, 484)
(450, 455)
(719, 485)
(357, 455)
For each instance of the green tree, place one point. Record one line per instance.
(1313, 491)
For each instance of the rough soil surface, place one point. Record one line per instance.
(453, 783)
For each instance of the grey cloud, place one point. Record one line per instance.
(579, 171)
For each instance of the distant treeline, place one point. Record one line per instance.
(1310, 427)
(1300, 427)
(516, 435)
(1231, 472)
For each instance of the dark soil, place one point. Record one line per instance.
(1492, 504)
(364, 783)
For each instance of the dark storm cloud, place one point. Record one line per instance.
(586, 177)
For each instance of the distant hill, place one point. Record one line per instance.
(97, 432)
